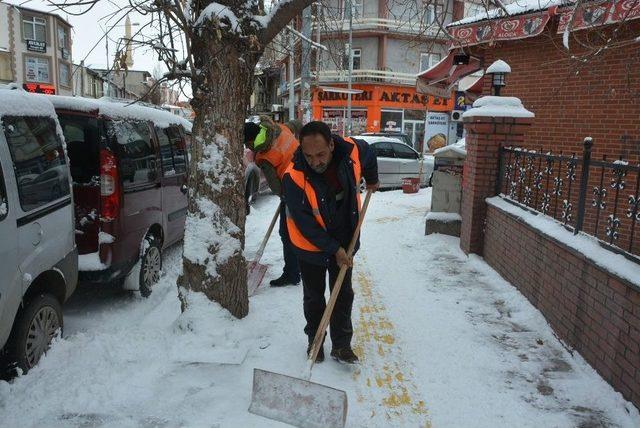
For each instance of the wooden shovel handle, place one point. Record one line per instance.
(326, 316)
(266, 237)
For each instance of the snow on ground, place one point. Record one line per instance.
(444, 341)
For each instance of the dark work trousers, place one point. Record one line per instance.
(314, 279)
(291, 268)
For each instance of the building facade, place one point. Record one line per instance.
(392, 43)
(35, 50)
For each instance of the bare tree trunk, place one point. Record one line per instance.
(213, 261)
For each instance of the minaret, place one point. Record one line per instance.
(127, 30)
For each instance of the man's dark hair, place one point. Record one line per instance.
(251, 131)
(316, 128)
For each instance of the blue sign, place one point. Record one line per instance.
(460, 102)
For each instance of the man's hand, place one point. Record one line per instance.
(373, 187)
(343, 259)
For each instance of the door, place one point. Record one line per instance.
(10, 287)
(174, 182)
(139, 168)
(408, 159)
(388, 165)
(44, 211)
(415, 130)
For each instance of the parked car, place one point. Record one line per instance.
(129, 169)
(397, 160)
(254, 181)
(38, 255)
(406, 139)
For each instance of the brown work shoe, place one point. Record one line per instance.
(345, 355)
(319, 357)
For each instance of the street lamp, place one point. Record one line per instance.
(498, 72)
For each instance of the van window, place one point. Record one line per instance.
(166, 154)
(136, 153)
(38, 158)
(178, 146)
(83, 147)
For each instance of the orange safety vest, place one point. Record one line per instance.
(281, 152)
(298, 177)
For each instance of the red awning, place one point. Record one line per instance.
(440, 79)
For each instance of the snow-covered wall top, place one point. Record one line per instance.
(119, 110)
(16, 102)
(498, 107)
(518, 7)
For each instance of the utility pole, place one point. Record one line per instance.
(318, 12)
(349, 121)
(292, 97)
(305, 75)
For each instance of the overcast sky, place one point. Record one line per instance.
(88, 30)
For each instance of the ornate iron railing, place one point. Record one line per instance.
(596, 197)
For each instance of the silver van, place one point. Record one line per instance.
(38, 256)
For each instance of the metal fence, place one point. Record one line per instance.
(596, 197)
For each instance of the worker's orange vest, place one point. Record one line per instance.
(281, 152)
(298, 177)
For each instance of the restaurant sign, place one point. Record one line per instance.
(517, 27)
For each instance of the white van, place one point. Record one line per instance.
(38, 256)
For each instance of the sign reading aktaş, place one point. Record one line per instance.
(436, 130)
(36, 46)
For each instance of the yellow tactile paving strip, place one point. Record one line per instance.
(383, 377)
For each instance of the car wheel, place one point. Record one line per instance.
(150, 265)
(35, 327)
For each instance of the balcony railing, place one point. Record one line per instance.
(358, 76)
(383, 25)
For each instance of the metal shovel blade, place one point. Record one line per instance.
(297, 402)
(255, 274)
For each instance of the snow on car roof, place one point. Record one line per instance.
(119, 109)
(17, 102)
(378, 138)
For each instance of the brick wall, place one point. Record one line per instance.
(571, 99)
(593, 311)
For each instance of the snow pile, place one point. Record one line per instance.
(16, 102)
(90, 262)
(518, 7)
(498, 107)
(499, 66)
(584, 244)
(216, 11)
(116, 109)
(444, 217)
(211, 238)
(458, 148)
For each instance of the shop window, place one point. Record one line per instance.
(64, 74)
(37, 69)
(6, 73)
(391, 120)
(34, 28)
(428, 60)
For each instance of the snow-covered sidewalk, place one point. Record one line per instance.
(444, 342)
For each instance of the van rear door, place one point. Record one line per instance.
(82, 134)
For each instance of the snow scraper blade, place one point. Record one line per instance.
(297, 402)
(255, 270)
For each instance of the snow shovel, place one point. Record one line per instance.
(298, 401)
(255, 270)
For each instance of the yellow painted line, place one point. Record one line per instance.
(386, 381)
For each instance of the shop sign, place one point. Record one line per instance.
(595, 15)
(389, 97)
(39, 88)
(460, 102)
(36, 46)
(517, 27)
(436, 130)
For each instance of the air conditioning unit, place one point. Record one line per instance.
(456, 116)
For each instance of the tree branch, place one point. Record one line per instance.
(281, 14)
